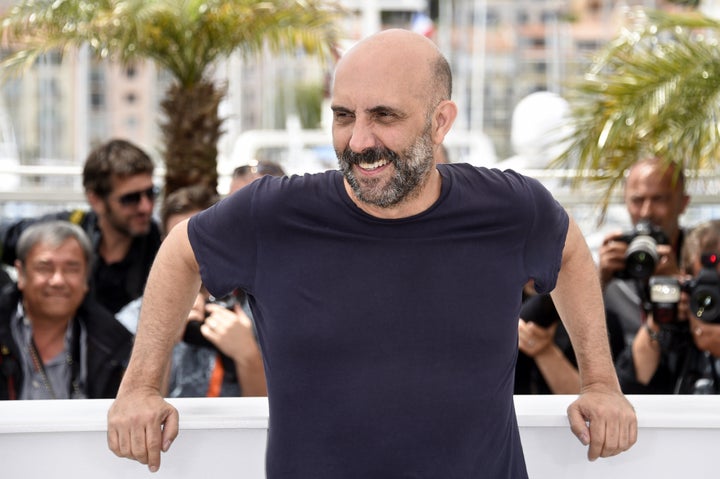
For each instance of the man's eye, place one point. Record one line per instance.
(43, 269)
(385, 116)
(73, 269)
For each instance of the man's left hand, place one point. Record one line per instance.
(604, 420)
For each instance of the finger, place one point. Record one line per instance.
(610, 445)
(121, 434)
(114, 434)
(625, 441)
(578, 424)
(208, 331)
(628, 432)
(158, 439)
(154, 439)
(153, 436)
(171, 427)
(138, 445)
(113, 441)
(598, 436)
(212, 308)
(244, 320)
(632, 434)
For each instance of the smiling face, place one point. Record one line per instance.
(389, 116)
(53, 280)
(409, 170)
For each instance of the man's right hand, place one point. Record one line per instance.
(611, 256)
(141, 424)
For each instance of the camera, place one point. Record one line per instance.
(228, 301)
(664, 296)
(641, 256)
(193, 335)
(664, 292)
(704, 290)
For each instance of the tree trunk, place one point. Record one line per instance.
(191, 130)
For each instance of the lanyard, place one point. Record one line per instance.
(40, 368)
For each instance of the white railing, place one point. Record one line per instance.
(225, 438)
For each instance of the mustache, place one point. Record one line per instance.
(370, 155)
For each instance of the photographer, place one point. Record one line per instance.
(676, 352)
(218, 355)
(546, 362)
(655, 199)
(216, 352)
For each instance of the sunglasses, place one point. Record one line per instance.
(133, 199)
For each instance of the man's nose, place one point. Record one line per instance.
(646, 209)
(146, 204)
(363, 138)
(57, 277)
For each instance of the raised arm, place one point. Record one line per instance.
(140, 422)
(601, 417)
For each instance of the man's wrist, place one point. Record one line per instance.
(652, 334)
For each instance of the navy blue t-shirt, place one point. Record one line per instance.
(389, 345)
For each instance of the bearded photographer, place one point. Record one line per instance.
(655, 198)
(677, 349)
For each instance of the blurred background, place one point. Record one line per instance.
(511, 59)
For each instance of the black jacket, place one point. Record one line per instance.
(113, 285)
(683, 368)
(108, 348)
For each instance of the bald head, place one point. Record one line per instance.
(655, 191)
(409, 60)
(391, 111)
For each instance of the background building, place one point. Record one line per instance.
(500, 51)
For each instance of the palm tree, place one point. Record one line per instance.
(185, 37)
(654, 90)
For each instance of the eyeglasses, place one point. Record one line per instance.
(133, 198)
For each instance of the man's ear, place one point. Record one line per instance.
(96, 202)
(20, 274)
(443, 119)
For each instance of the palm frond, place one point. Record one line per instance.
(654, 90)
(183, 36)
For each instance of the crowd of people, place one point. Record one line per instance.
(217, 353)
(661, 293)
(69, 314)
(363, 244)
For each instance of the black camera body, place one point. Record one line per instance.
(193, 335)
(641, 256)
(228, 301)
(704, 290)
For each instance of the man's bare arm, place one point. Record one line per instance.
(601, 417)
(141, 423)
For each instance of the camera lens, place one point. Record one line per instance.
(704, 304)
(641, 257)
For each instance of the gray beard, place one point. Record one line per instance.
(412, 167)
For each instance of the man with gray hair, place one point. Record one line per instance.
(55, 341)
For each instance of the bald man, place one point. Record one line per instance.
(385, 295)
(654, 193)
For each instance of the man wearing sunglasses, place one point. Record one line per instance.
(118, 182)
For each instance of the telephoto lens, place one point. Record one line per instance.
(641, 256)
